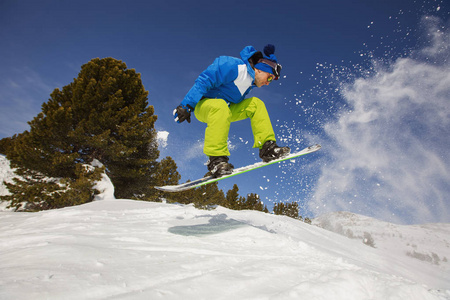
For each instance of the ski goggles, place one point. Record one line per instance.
(276, 68)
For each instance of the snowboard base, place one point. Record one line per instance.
(210, 179)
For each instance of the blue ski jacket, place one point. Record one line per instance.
(227, 78)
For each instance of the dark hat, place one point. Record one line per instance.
(269, 62)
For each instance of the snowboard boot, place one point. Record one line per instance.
(218, 166)
(270, 151)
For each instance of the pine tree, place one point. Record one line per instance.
(232, 198)
(208, 196)
(33, 191)
(6, 144)
(166, 174)
(253, 202)
(368, 240)
(279, 208)
(103, 114)
(292, 210)
(240, 204)
(204, 197)
(186, 197)
(289, 209)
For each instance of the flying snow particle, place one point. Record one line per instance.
(162, 137)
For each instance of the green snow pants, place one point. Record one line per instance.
(218, 115)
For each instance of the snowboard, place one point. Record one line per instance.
(210, 179)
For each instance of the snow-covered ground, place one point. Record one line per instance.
(6, 175)
(426, 242)
(124, 249)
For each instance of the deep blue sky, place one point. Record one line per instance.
(44, 44)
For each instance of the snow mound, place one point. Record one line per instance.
(104, 185)
(124, 249)
(427, 242)
(6, 174)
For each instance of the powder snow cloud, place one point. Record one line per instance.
(389, 153)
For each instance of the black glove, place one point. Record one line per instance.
(182, 113)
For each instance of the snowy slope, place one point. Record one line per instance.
(427, 242)
(123, 249)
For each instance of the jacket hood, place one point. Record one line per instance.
(247, 52)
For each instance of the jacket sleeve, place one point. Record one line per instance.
(223, 70)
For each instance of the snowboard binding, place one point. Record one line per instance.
(218, 166)
(270, 151)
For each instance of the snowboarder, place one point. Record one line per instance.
(218, 98)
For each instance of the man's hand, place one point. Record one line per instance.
(182, 113)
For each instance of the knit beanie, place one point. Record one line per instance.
(269, 62)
